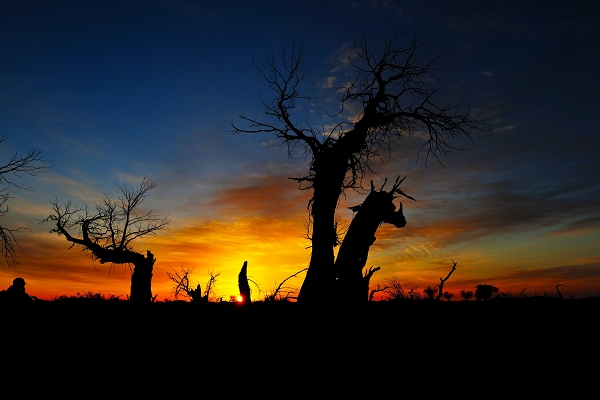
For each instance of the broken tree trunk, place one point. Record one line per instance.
(243, 284)
(377, 208)
(141, 279)
(442, 281)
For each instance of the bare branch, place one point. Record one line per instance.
(32, 163)
(280, 287)
(109, 231)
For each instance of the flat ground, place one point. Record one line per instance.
(114, 349)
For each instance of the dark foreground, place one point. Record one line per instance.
(107, 349)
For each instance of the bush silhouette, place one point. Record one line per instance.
(485, 291)
(466, 294)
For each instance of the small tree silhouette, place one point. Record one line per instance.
(447, 295)
(485, 291)
(466, 294)
(430, 292)
(109, 230)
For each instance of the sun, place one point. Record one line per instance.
(239, 298)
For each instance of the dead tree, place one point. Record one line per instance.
(558, 292)
(32, 164)
(182, 286)
(108, 233)
(243, 284)
(395, 96)
(351, 285)
(373, 291)
(442, 281)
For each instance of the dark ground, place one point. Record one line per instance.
(114, 349)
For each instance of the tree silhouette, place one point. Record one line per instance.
(443, 280)
(351, 285)
(430, 292)
(485, 291)
(395, 96)
(109, 231)
(32, 163)
(447, 295)
(466, 294)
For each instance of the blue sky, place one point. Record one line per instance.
(114, 91)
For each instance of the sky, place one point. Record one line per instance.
(114, 91)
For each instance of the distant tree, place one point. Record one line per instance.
(466, 294)
(392, 95)
(443, 280)
(447, 295)
(485, 291)
(32, 163)
(109, 230)
(430, 292)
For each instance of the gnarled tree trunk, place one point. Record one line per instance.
(377, 208)
(141, 279)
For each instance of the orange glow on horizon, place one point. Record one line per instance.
(271, 239)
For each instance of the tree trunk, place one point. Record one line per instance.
(377, 208)
(320, 279)
(243, 284)
(141, 280)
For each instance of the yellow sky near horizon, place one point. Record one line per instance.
(264, 225)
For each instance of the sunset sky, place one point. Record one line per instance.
(113, 91)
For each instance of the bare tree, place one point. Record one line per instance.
(109, 230)
(443, 280)
(182, 286)
(373, 291)
(352, 285)
(396, 96)
(32, 163)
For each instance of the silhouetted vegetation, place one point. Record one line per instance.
(32, 164)
(88, 296)
(283, 293)
(442, 281)
(485, 292)
(108, 233)
(182, 286)
(396, 290)
(467, 294)
(430, 292)
(394, 93)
